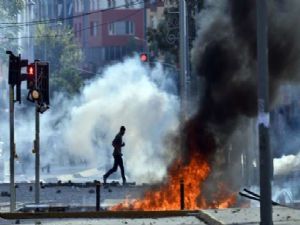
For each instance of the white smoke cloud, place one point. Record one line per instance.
(128, 93)
(286, 164)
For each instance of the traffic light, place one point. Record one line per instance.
(14, 74)
(33, 94)
(31, 76)
(38, 83)
(42, 76)
(14, 69)
(144, 57)
(31, 69)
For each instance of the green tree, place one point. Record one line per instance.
(166, 36)
(59, 48)
(8, 27)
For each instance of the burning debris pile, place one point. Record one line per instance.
(167, 196)
(224, 55)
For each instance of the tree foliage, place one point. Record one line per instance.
(9, 10)
(166, 36)
(59, 47)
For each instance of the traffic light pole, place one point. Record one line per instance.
(184, 73)
(265, 156)
(37, 154)
(12, 149)
(39, 93)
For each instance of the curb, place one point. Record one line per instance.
(207, 218)
(103, 214)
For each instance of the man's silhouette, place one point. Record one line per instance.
(117, 154)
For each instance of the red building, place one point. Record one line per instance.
(108, 34)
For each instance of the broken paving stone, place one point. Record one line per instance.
(235, 210)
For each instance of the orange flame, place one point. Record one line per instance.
(168, 195)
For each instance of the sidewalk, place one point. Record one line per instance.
(105, 218)
(235, 216)
(145, 221)
(247, 216)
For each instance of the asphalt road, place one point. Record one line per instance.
(83, 194)
(189, 220)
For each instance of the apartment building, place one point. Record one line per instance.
(109, 29)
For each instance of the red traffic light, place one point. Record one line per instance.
(143, 57)
(30, 69)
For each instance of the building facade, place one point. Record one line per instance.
(109, 30)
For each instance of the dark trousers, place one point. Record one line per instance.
(118, 162)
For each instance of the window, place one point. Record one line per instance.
(111, 3)
(112, 53)
(132, 4)
(60, 10)
(93, 29)
(45, 12)
(118, 52)
(121, 28)
(126, 3)
(107, 56)
(153, 22)
(97, 4)
(78, 6)
(129, 27)
(111, 29)
(69, 8)
(92, 6)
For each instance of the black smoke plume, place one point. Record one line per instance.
(224, 55)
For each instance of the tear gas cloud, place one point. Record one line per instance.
(81, 129)
(286, 164)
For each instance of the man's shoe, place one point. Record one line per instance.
(104, 179)
(124, 182)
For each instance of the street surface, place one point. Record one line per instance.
(73, 194)
(188, 220)
(250, 216)
(77, 195)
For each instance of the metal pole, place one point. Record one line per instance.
(181, 194)
(265, 158)
(37, 154)
(145, 27)
(97, 196)
(183, 60)
(12, 149)
(183, 55)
